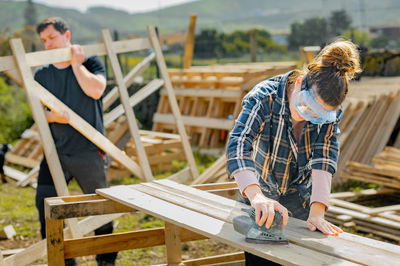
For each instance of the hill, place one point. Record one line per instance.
(224, 15)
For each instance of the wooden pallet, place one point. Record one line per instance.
(210, 98)
(186, 210)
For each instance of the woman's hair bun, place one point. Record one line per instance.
(342, 55)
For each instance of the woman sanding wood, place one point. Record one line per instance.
(284, 147)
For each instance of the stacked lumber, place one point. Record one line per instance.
(366, 127)
(350, 210)
(161, 149)
(385, 171)
(210, 98)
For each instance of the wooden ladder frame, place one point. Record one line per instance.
(18, 67)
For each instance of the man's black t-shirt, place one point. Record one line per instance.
(62, 83)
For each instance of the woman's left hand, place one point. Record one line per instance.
(316, 221)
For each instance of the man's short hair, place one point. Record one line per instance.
(58, 23)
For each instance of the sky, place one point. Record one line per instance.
(131, 6)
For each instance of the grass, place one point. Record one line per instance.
(17, 207)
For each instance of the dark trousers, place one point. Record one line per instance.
(292, 202)
(90, 171)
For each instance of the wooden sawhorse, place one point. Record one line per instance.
(193, 214)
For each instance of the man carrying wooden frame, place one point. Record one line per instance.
(80, 84)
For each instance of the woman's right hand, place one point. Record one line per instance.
(264, 207)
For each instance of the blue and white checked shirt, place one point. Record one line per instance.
(262, 141)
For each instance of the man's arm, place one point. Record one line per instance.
(92, 85)
(53, 117)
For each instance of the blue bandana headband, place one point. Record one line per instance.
(308, 107)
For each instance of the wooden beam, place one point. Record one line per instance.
(207, 93)
(58, 209)
(189, 44)
(7, 63)
(124, 97)
(55, 243)
(135, 99)
(128, 80)
(215, 259)
(172, 100)
(173, 244)
(87, 130)
(210, 171)
(122, 241)
(208, 122)
(44, 130)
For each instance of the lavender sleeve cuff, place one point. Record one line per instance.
(321, 187)
(244, 179)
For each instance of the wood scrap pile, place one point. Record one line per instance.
(161, 149)
(385, 171)
(373, 211)
(210, 98)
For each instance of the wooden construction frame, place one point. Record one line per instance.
(188, 208)
(18, 67)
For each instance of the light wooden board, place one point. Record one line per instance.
(216, 229)
(124, 97)
(172, 100)
(39, 116)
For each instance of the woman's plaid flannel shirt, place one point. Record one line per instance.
(262, 141)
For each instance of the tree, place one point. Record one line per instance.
(313, 31)
(339, 22)
(207, 44)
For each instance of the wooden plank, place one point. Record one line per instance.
(189, 44)
(135, 99)
(210, 171)
(173, 244)
(215, 259)
(122, 241)
(64, 54)
(207, 122)
(14, 173)
(44, 130)
(7, 232)
(124, 97)
(214, 186)
(59, 209)
(296, 229)
(366, 192)
(172, 100)
(128, 80)
(182, 176)
(87, 130)
(55, 243)
(2, 263)
(39, 249)
(220, 93)
(215, 228)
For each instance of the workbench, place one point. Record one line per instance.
(193, 214)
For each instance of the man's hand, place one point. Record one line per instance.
(316, 221)
(264, 207)
(77, 55)
(54, 117)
